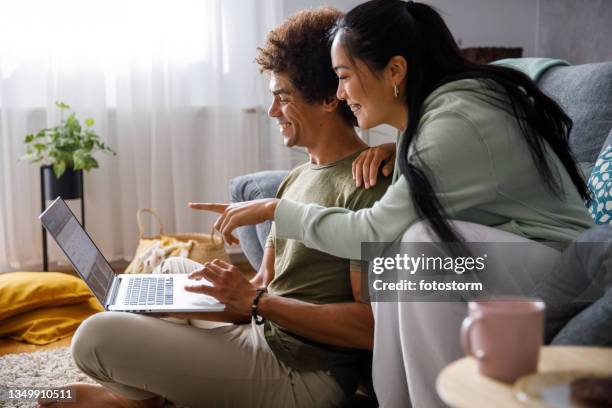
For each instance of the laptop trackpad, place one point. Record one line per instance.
(192, 298)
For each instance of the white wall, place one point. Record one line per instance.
(507, 23)
(577, 31)
(489, 23)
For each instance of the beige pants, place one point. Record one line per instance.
(139, 357)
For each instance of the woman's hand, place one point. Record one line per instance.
(238, 214)
(229, 286)
(367, 164)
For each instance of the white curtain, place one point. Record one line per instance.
(173, 89)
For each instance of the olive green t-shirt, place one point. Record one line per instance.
(314, 276)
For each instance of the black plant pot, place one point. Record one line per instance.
(69, 186)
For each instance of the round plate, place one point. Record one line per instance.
(550, 389)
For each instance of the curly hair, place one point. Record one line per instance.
(300, 48)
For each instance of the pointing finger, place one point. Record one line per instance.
(215, 207)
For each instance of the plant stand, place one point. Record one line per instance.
(69, 187)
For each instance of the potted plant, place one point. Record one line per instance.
(65, 151)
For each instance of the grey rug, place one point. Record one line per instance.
(46, 368)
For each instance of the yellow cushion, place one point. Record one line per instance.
(24, 291)
(49, 324)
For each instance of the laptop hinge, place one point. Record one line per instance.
(112, 296)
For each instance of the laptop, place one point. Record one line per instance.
(139, 293)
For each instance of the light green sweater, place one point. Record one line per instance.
(483, 171)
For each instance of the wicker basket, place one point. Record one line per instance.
(152, 250)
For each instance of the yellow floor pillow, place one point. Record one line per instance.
(24, 291)
(48, 324)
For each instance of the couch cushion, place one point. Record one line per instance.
(24, 291)
(48, 324)
(578, 291)
(585, 92)
(600, 184)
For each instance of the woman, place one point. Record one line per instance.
(480, 144)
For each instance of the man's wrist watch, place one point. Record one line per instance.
(258, 319)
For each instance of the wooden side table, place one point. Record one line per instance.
(460, 385)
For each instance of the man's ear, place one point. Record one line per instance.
(330, 104)
(397, 69)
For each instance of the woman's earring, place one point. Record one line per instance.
(395, 91)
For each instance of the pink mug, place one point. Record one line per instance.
(504, 335)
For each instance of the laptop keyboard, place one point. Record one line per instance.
(154, 290)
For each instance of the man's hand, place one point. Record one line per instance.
(367, 164)
(229, 286)
(238, 214)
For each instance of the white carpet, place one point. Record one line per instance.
(46, 368)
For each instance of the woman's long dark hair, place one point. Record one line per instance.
(378, 30)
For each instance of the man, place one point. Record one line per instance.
(310, 347)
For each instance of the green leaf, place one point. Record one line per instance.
(60, 155)
(80, 153)
(59, 167)
(62, 105)
(29, 138)
(91, 134)
(31, 155)
(90, 163)
(89, 122)
(79, 164)
(40, 147)
(27, 156)
(88, 145)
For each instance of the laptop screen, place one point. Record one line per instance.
(78, 247)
